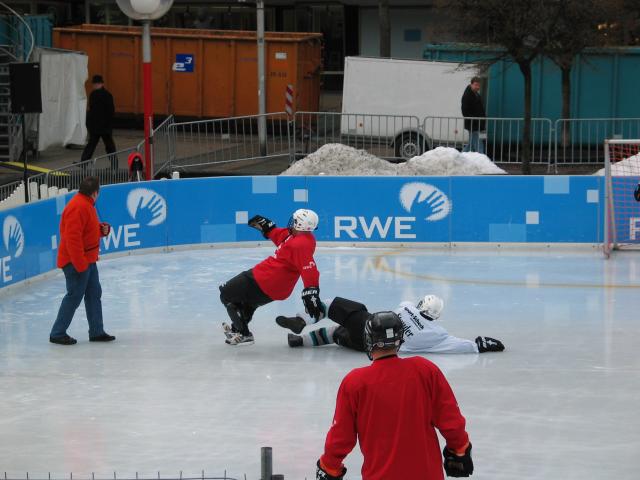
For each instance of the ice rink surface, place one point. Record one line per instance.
(560, 403)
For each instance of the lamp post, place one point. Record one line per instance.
(262, 94)
(146, 11)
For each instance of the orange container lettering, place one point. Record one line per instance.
(200, 73)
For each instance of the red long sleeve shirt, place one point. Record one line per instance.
(277, 275)
(393, 407)
(79, 233)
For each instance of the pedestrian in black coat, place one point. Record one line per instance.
(100, 121)
(474, 116)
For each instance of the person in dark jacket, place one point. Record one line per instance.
(474, 114)
(100, 121)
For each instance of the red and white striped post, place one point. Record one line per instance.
(288, 107)
(288, 101)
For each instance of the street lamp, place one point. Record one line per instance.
(146, 11)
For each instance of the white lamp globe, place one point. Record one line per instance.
(144, 9)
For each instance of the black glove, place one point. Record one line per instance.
(312, 304)
(488, 344)
(458, 465)
(263, 224)
(322, 475)
(636, 193)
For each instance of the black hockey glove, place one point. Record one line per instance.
(488, 344)
(312, 304)
(458, 465)
(636, 193)
(263, 224)
(322, 475)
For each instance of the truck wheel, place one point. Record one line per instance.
(409, 145)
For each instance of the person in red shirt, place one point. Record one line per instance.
(275, 277)
(80, 232)
(393, 408)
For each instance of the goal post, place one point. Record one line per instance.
(622, 195)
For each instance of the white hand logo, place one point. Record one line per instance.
(424, 199)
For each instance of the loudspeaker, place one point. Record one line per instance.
(24, 82)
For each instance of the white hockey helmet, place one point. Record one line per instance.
(430, 307)
(304, 220)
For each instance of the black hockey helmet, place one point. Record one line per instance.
(383, 330)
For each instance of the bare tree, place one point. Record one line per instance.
(572, 27)
(516, 26)
(385, 28)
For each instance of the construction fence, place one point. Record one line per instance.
(392, 137)
(201, 145)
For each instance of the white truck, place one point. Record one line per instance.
(387, 100)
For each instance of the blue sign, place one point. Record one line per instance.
(184, 62)
(494, 209)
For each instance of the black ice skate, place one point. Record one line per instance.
(294, 340)
(237, 339)
(295, 324)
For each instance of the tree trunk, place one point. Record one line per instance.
(525, 68)
(566, 103)
(385, 28)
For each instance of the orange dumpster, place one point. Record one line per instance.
(200, 73)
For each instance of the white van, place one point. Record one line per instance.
(411, 90)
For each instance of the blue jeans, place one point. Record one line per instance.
(475, 143)
(84, 284)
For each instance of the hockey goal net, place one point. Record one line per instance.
(622, 195)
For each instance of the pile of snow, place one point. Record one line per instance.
(629, 167)
(449, 161)
(337, 159)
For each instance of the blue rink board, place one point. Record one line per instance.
(500, 209)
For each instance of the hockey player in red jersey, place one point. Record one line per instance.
(393, 408)
(275, 277)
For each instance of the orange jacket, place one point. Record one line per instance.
(79, 233)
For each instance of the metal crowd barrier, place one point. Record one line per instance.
(109, 168)
(11, 194)
(501, 138)
(581, 141)
(392, 137)
(163, 145)
(210, 142)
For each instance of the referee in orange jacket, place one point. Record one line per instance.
(80, 233)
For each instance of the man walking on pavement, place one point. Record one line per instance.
(100, 122)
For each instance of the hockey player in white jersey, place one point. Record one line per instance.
(421, 333)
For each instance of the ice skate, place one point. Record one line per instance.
(295, 324)
(237, 339)
(228, 330)
(294, 340)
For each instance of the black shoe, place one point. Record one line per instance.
(66, 340)
(295, 324)
(294, 340)
(105, 337)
